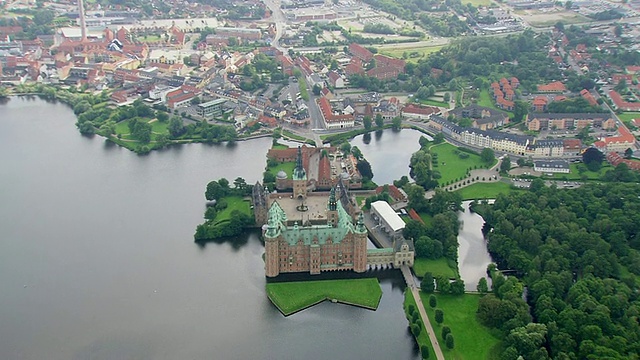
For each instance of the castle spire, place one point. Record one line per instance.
(299, 173)
(333, 204)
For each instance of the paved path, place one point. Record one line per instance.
(408, 277)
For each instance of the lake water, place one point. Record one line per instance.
(473, 256)
(97, 259)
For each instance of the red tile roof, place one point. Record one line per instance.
(555, 86)
(587, 96)
(620, 103)
(360, 52)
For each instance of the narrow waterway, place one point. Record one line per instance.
(473, 256)
(97, 259)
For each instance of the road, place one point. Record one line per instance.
(408, 277)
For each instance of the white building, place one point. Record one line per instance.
(389, 220)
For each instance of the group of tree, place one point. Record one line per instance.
(440, 238)
(578, 253)
(575, 105)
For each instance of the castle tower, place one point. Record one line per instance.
(299, 178)
(271, 237)
(332, 209)
(360, 246)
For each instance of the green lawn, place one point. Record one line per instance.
(487, 101)
(279, 147)
(575, 175)
(286, 166)
(478, 3)
(454, 167)
(291, 297)
(436, 267)
(423, 337)
(426, 218)
(233, 203)
(434, 103)
(473, 341)
(485, 190)
(628, 116)
(160, 127)
(413, 53)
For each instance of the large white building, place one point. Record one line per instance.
(389, 221)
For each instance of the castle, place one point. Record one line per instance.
(317, 232)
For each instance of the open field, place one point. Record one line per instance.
(450, 165)
(436, 267)
(575, 174)
(473, 341)
(540, 18)
(478, 3)
(485, 190)
(233, 203)
(413, 54)
(291, 297)
(434, 102)
(628, 116)
(287, 167)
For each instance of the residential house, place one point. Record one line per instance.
(554, 87)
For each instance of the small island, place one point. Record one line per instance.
(291, 297)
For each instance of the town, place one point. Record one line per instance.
(524, 109)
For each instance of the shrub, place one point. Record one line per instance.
(424, 351)
(445, 331)
(439, 316)
(415, 330)
(433, 302)
(449, 341)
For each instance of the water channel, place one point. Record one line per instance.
(97, 259)
(473, 256)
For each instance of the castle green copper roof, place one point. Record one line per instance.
(293, 234)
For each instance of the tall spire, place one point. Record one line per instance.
(299, 173)
(83, 24)
(333, 204)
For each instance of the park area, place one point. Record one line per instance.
(472, 340)
(485, 190)
(453, 164)
(233, 203)
(436, 267)
(291, 297)
(410, 53)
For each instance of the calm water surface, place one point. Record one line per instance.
(473, 256)
(97, 259)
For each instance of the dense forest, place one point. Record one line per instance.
(578, 253)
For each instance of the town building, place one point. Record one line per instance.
(211, 109)
(615, 159)
(551, 166)
(389, 221)
(334, 119)
(560, 121)
(554, 87)
(482, 117)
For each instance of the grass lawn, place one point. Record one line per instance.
(426, 218)
(473, 341)
(485, 100)
(291, 297)
(485, 190)
(454, 167)
(233, 203)
(279, 147)
(478, 3)
(628, 116)
(159, 127)
(360, 200)
(436, 267)
(434, 103)
(290, 135)
(423, 338)
(286, 166)
(413, 53)
(575, 175)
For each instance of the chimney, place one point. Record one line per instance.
(83, 25)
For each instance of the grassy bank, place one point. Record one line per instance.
(437, 267)
(473, 341)
(451, 166)
(423, 338)
(485, 190)
(233, 203)
(574, 174)
(292, 297)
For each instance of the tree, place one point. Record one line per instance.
(483, 287)
(445, 331)
(593, 158)
(396, 123)
(176, 127)
(379, 120)
(487, 155)
(366, 121)
(433, 302)
(316, 89)
(447, 97)
(505, 165)
(356, 152)
(364, 168)
(438, 138)
(426, 284)
(521, 110)
(416, 329)
(239, 183)
(439, 316)
(162, 116)
(214, 191)
(424, 351)
(449, 341)
(628, 153)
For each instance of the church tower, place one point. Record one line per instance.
(299, 178)
(271, 239)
